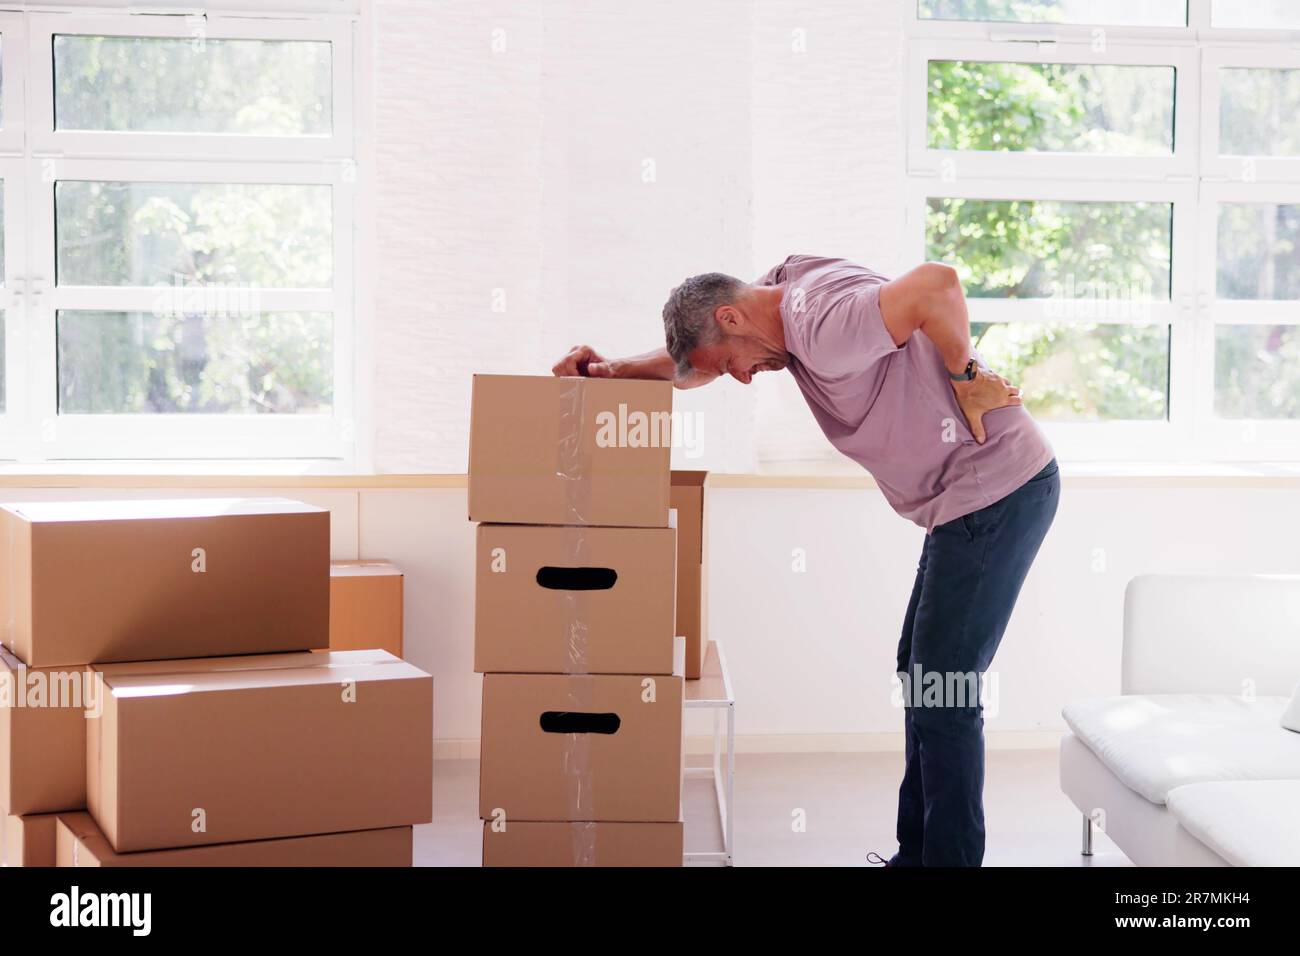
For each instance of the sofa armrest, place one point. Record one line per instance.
(1211, 634)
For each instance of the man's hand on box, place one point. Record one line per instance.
(584, 360)
(985, 392)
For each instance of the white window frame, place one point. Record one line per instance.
(1194, 178)
(1090, 440)
(1264, 439)
(13, 33)
(1180, 163)
(1217, 168)
(34, 156)
(46, 140)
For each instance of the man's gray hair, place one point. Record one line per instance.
(689, 314)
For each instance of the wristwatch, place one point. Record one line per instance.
(966, 374)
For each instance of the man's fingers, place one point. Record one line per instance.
(578, 362)
(599, 370)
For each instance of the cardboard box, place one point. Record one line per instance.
(43, 736)
(80, 843)
(688, 502)
(225, 750)
(366, 606)
(553, 600)
(92, 581)
(27, 839)
(581, 747)
(584, 451)
(539, 843)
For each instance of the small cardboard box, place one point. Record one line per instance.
(93, 581)
(545, 843)
(80, 843)
(43, 736)
(27, 839)
(583, 748)
(584, 451)
(225, 750)
(574, 600)
(688, 502)
(366, 606)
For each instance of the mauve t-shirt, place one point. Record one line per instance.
(891, 408)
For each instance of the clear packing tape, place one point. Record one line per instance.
(572, 466)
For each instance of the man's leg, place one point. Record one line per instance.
(911, 797)
(975, 566)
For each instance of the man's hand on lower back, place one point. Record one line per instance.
(985, 392)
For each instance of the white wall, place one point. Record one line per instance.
(813, 653)
(547, 170)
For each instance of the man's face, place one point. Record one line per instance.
(741, 357)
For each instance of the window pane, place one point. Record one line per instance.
(170, 362)
(144, 234)
(1257, 371)
(1257, 110)
(1081, 372)
(1259, 251)
(1061, 107)
(1038, 249)
(1156, 13)
(183, 85)
(1255, 14)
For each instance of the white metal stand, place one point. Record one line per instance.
(713, 691)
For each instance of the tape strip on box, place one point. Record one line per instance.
(573, 466)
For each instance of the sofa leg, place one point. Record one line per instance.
(1086, 849)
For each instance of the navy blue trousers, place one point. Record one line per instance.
(967, 582)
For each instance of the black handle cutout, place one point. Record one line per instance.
(576, 579)
(577, 722)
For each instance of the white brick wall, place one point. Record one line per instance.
(581, 158)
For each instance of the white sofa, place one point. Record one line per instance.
(1190, 766)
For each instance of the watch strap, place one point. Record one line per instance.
(966, 374)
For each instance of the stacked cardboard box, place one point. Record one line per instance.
(692, 617)
(581, 746)
(366, 606)
(156, 670)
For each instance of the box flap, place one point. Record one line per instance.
(364, 569)
(163, 678)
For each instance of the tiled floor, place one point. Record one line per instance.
(847, 802)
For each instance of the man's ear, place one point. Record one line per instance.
(728, 318)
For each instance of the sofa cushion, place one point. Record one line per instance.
(1146, 832)
(1250, 823)
(1156, 742)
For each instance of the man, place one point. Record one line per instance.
(888, 369)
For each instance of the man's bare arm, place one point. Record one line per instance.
(929, 300)
(656, 364)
